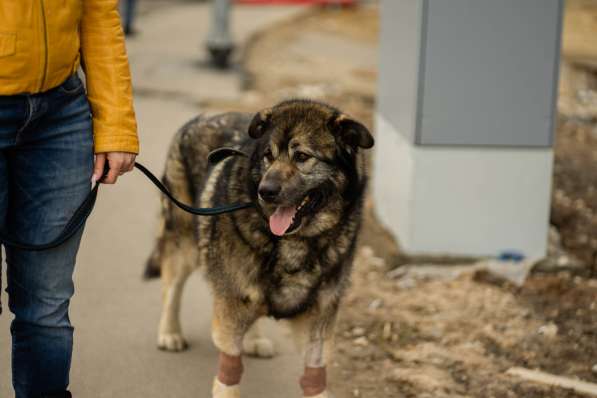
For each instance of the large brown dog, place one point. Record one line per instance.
(301, 164)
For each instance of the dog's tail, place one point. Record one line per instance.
(152, 270)
(153, 265)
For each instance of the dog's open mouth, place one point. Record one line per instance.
(287, 219)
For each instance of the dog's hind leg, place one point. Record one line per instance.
(257, 345)
(178, 260)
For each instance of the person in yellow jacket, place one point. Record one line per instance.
(51, 126)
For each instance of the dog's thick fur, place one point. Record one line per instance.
(309, 150)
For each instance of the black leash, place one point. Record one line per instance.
(84, 210)
(198, 211)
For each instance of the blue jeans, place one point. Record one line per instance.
(46, 162)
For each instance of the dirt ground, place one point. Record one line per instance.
(574, 200)
(449, 334)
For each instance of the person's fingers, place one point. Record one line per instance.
(127, 163)
(115, 165)
(98, 167)
(122, 167)
(132, 163)
(111, 177)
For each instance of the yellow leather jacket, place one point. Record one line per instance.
(42, 43)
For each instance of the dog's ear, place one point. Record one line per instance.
(219, 154)
(351, 132)
(260, 123)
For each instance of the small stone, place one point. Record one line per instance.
(550, 330)
(375, 304)
(387, 331)
(594, 369)
(361, 341)
(406, 283)
(377, 262)
(356, 392)
(397, 273)
(563, 261)
(358, 331)
(367, 252)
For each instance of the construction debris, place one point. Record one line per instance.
(537, 376)
(514, 272)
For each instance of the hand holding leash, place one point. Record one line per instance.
(118, 164)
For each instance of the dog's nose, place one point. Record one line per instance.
(269, 191)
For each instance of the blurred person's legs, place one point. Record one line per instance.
(46, 161)
(128, 15)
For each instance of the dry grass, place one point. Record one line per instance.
(580, 32)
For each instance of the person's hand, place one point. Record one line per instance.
(119, 162)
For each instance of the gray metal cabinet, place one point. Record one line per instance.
(486, 75)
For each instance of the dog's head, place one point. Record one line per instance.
(305, 166)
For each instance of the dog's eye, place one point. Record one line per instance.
(301, 157)
(267, 155)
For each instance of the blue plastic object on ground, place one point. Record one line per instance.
(511, 255)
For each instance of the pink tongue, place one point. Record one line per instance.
(280, 221)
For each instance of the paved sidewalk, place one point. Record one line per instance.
(114, 311)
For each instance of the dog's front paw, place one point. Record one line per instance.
(221, 390)
(174, 342)
(260, 347)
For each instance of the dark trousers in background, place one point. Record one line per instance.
(127, 13)
(46, 162)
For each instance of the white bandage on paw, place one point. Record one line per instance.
(221, 390)
(324, 394)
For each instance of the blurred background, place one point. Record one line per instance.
(420, 320)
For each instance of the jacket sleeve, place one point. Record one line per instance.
(108, 78)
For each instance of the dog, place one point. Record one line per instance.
(301, 163)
